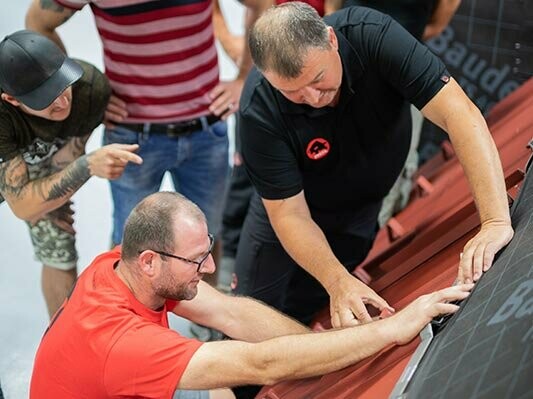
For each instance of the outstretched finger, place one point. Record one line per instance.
(128, 156)
(457, 292)
(125, 147)
(445, 308)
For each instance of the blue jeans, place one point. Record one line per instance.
(197, 162)
(187, 394)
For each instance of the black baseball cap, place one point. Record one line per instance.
(34, 70)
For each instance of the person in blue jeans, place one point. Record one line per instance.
(161, 60)
(197, 160)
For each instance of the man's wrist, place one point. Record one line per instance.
(85, 163)
(335, 277)
(502, 222)
(385, 331)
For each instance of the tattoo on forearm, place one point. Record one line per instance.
(38, 188)
(13, 177)
(51, 5)
(75, 175)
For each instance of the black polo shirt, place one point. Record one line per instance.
(345, 158)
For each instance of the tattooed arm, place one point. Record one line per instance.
(44, 16)
(31, 199)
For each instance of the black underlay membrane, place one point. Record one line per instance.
(484, 350)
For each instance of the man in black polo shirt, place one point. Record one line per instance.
(325, 130)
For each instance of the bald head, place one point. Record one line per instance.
(152, 224)
(281, 38)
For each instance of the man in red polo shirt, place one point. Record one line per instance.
(111, 339)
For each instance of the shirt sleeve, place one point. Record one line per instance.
(8, 144)
(408, 65)
(147, 361)
(268, 158)
(73, 4)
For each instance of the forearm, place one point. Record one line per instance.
(52, 35)
(474, 149)
(222, 33)
(238, 317)
(44, 16)
(443, 13)
(308, 355)
(253, 321)
(283, 358)
(37, 197)
(454, 112)
(309, 247)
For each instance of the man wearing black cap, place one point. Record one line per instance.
(50, 105)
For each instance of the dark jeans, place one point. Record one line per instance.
(266, 272)
(237, 203)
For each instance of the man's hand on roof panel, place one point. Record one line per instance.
(407, 323)
(478, 253)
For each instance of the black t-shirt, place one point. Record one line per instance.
(19, 130)
(413, 15)
(345, 158)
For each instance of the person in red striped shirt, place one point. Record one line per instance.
(162, 64)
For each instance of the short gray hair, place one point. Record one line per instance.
(282, 36)
(150, 224)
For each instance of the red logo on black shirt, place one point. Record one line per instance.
(317, 148)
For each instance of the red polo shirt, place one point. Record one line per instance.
(103, 343)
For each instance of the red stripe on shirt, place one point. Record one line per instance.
(163, 80)
(171, 99)
(157, 37)
(148, 16)
(160, 59)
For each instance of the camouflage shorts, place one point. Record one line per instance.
(52, 246)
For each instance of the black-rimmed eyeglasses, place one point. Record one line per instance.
(200, 262)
